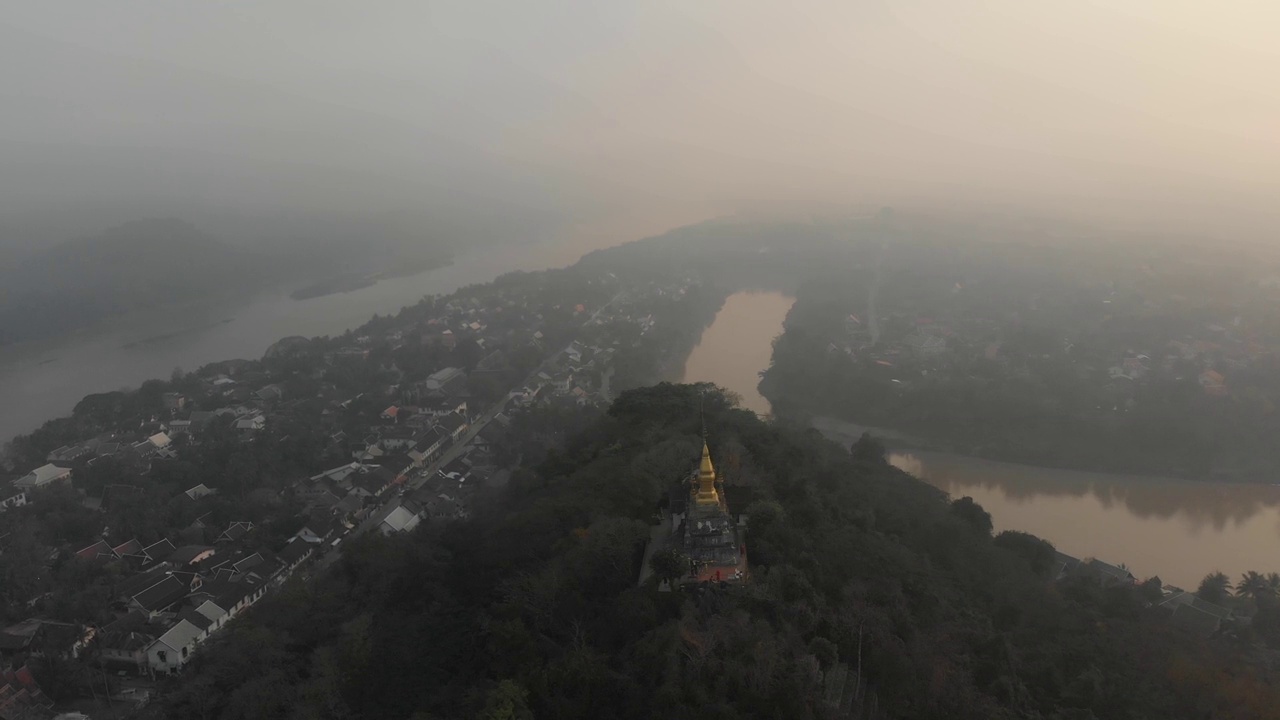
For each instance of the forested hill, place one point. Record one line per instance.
(860, 573)
(136, 265)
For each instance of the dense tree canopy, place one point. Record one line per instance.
(862, 577)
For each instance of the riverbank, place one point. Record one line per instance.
(355, 281)
(730, 352)
(846, 432)
(44, 379)
(1175, 528)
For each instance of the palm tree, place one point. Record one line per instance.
(1253, 585)
(1214, 587)
(1273, 582)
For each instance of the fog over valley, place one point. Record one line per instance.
(828, 360)
(483, 121)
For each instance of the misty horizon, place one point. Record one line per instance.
(484, 123)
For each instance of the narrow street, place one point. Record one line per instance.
(455, 450)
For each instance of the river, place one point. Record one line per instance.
(738, 345)
(40, 380)
(1177, 529)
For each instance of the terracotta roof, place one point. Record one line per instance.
(131, 547)
(95, 550)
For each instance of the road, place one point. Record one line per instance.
(455, 450)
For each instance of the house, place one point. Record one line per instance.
(190, 555)
(36, 637)
(319, 493)
(339, 473)
(447, 339)
(123, 644)
(174, 648)
(235, 531)
(390, 414)
(252, 423)
(270, 393)
(1195, 620)
(455, 472)
(160, 597)
(444, 507)
(453, 424)
(233, 595)
(404, 518)
(67, 454)
(11, 495)
(21, 697)
(1195, 614)
(443, 381)
(318, 529)
(159, 441)
(1109, 574)
(130, 547)
(174, 402)
(127, 588)
(399, 438)
(490, 437)
(200, 491)
(445, 405)
(42, 476)
(493, 363)
(217, 615)
(191, 578)
(294, 554)
(200, 420)
(373, 482)
(349, 505)
(100, 550)
(429, 443)
(159, 551)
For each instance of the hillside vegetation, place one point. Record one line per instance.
(531, 609)
(136, 265)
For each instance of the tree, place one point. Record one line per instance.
(1214, 587)
(1038, 553)
(868, 450)
(972, 514)
(1151, 590)
(60, 676)
(508, 701)
(669, 564)
(825, 651)
(1253, 585)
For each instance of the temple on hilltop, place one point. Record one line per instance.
(705, 529)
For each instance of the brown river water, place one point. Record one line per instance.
(1177, 529)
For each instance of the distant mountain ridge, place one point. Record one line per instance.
(136, 265)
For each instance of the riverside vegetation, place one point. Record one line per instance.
(531, 607)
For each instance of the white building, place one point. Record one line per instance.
(42, 476)
(441, 378)
(401, 519)
(173, 649)
(11, 496)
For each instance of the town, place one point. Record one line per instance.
(126, 549)
(1143, 361)
(134, 531)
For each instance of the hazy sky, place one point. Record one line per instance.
(1166, 111)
